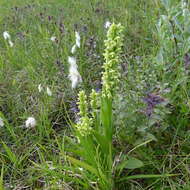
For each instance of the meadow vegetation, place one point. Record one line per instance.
(94, 95)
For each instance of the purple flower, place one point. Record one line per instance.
(152, 100)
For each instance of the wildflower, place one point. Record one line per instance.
(74, 75)
(53, 38)
(113, 49)
(6, 35)
(73, 50)
(30, 122)
(152, 100)
(85, 123)
(40, 88)
(1, 122)
(107, 24)
(94, 102)
(49, 93)
(77, 36)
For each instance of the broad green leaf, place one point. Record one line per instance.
(131, 163)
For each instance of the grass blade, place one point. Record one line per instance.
(1, 178)
(144, 176)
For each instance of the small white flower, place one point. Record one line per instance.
(74, 75)
(6, 35)
(77, 36)
(1, 122)
(30, 122)
(40, 88)
(81, 169)
(53, 38)
(73, 50)
(49, 93)
(107, 24)
(11, 43)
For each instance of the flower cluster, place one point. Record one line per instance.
(85, 123)
(113, 49)
(109, 79)
(94, 102)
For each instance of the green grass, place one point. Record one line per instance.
(37, 158)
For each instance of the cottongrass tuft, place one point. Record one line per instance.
(74, 75)
(7, 36)
(49, 92)
(107, 24)
(1, 122)
(77, 43)
(77, 39)
(73, 50)
(40, 88)
(30, 122)
(53, 38)
(10, 43)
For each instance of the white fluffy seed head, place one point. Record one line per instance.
(30, 122)
(75, 78)
(73, 50)
(49, 92)
(53, 38)
(40, 88)
(72, 61)
(10, 43)
(77, 36)
(107, 24)
(6, 35)
(1, 122)
(74, 75)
